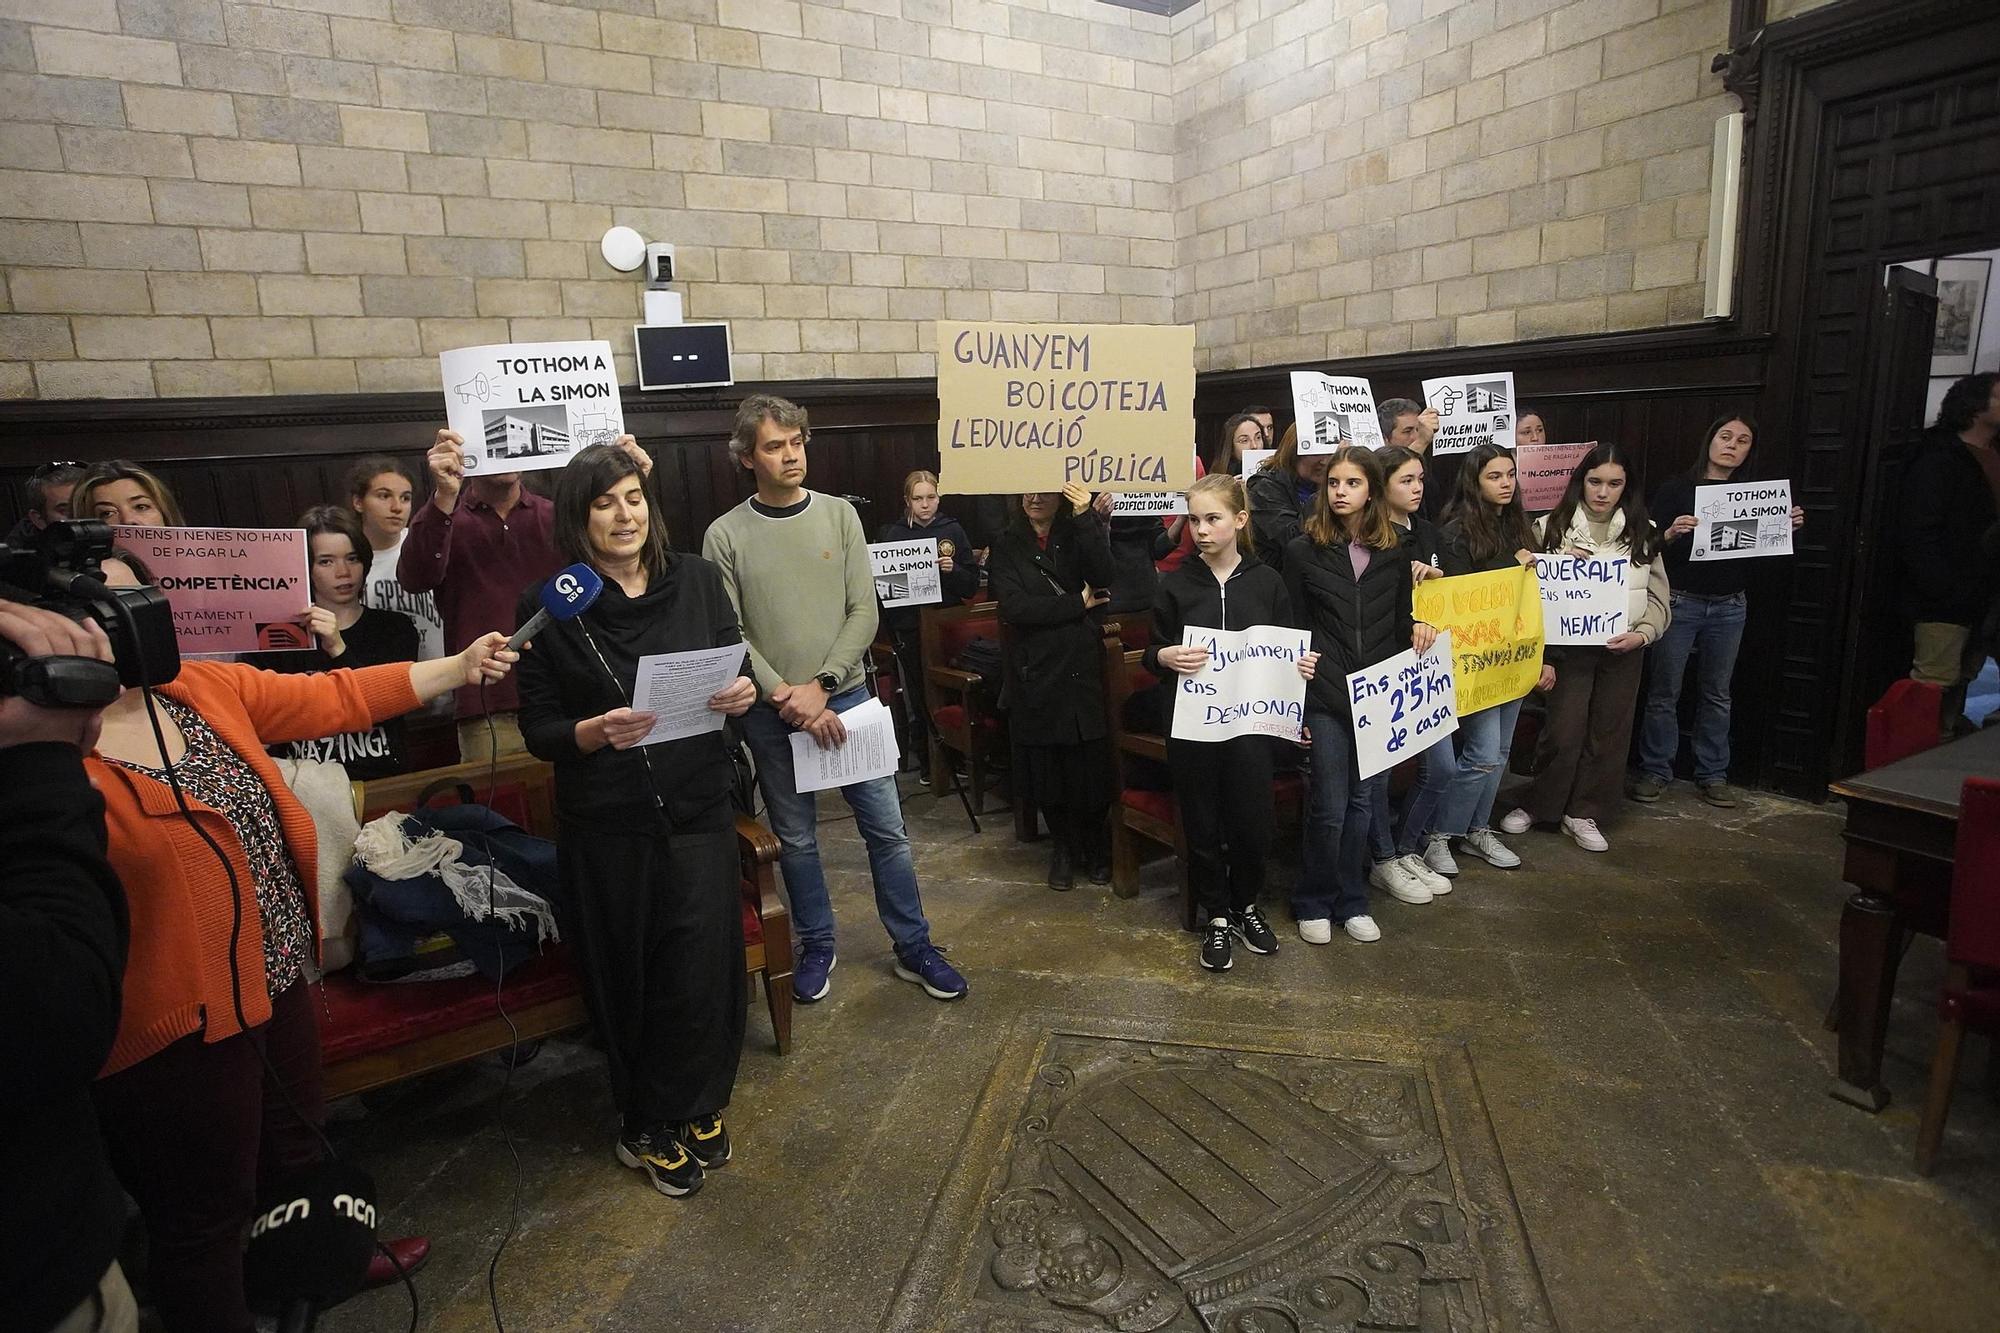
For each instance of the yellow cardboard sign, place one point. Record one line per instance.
(1032, 407)
(1495, 621)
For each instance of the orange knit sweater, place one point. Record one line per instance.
(177, 976)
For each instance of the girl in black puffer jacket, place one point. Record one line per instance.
(1350, 584)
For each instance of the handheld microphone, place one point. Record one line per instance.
(311, 1242)
(565, 597)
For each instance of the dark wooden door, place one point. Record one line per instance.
(1897, 359)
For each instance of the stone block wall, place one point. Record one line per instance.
(1357, 177)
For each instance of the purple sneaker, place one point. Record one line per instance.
(925, 965)
(810, 980)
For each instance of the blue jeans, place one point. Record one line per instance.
(1435, 768)
(1711, 629)
(878, 815)
(1485, 739)
(1333, 881)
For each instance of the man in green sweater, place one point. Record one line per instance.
(796, 565)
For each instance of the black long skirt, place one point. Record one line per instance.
(657, 920)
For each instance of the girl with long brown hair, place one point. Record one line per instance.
(1281, 494)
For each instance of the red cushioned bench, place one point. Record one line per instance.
(376, 1034)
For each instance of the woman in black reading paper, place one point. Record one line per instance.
(647, 845)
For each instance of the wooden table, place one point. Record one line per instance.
(1902, 822)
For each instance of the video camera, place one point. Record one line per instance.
(62, 573)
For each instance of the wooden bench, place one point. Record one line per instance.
(377, 1034)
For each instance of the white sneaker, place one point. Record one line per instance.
(1394, 878)
(1424, 875)
(1362, 929)
(1517, 820)
(1586, 834)
(1316, 930)
(1482, 843)
(1437, 855)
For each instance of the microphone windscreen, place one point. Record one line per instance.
(312, 1238)
(571, 592)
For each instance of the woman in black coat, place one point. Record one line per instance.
(1050, 572)
(1350, 584)
(647, 846)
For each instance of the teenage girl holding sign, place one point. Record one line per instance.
(1350, 585)
(1484, 530)
(1223, 788)
(1580, 757)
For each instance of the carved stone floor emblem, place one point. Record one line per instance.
(1124, 1182)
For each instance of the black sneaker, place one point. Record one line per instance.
(1062, 877)
(708, 1139)
(1215, 946)
(671, 1167)
(1255, 932)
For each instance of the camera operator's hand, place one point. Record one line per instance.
(446, 462)
(639, 456)
(327, 630)
(39, 633)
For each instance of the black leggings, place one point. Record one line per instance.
(1223, 789)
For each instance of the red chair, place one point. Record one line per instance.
(1971, 996)
(1903, 722)
(963, 722)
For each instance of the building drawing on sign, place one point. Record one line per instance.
(511, 435)
(1331, 428)
(1739, 535)
(1486, 396)
(892, 587)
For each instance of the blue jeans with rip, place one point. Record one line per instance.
(1435, 767)
(1710, 629)
(1333, 876)
(878, 817)
(1485, 739)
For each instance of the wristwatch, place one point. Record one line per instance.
(828, 681)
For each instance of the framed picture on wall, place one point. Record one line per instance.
(1961, 305)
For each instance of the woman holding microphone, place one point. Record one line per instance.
(647, 851)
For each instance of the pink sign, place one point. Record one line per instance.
(233, 590)
(1542, 471)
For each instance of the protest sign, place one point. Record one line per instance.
(907, 573)
(1584, 597)
(1402, 706)
(1254, 459)
(233, 590)
(1331, 412)
(1033, 407)
(1495, 623)
(1149, 504)
(1472, 410)
(1250, 687)
(523, 407)
(1543, 470)
(1740, 519)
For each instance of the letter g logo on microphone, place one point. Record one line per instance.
(569, 586)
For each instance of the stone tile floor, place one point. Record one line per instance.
(1644, 1027)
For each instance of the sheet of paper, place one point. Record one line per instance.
(1331, 412)
(1254, 459)
(1472, 410)
(1402, 705)
(1250, 687)
(524, 407)
(676, 687)
(1544, 471)
(868, 752)
(233, 590)
(1148, 504)
(1736, 520)
(1584, 598)
(907, 573)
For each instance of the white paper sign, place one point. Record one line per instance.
(1250, 687)
(524, 407)
(1149, 504)
(1585, 599)
(1737, 520)
(676, 687)
(1472, 410)
(1254, 459)
(1331, 412)
(1402, 705)
(868, 752)
(906, 573)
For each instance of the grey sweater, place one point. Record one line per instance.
(802, 588)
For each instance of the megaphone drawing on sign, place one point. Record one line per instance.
(477, 387)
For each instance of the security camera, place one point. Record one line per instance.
(659, 265)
